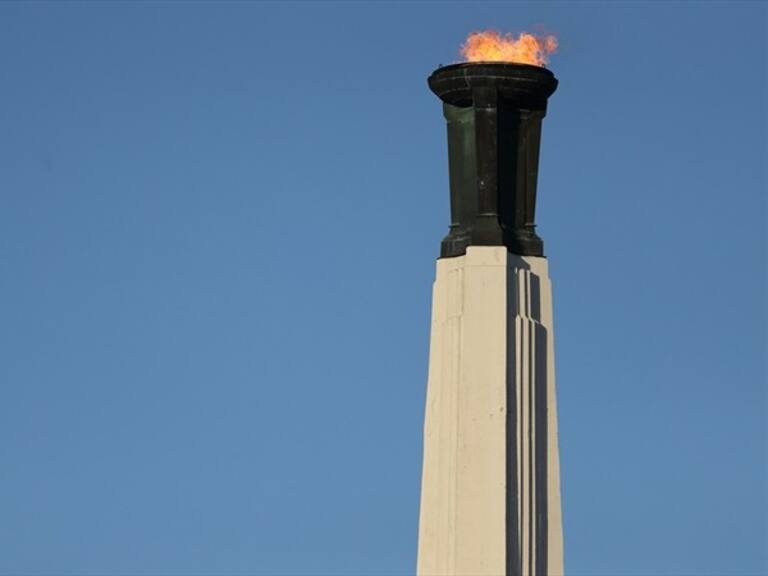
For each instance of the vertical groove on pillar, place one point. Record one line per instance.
(528, 435)
(514, 567)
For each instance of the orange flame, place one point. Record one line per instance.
(491, 46)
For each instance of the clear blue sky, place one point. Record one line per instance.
(218, 227)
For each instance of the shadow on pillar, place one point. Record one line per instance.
(525, 305)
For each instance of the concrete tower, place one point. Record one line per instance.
(490, 495)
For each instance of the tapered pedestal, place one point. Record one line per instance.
(490, 496)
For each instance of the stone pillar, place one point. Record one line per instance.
(490, 500)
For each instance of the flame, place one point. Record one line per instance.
(491, 46)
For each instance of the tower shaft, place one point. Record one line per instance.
(490, 502)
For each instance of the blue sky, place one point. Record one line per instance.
(218, 227)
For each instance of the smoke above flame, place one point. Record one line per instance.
(491, 46)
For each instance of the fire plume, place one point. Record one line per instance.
(491, 46)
